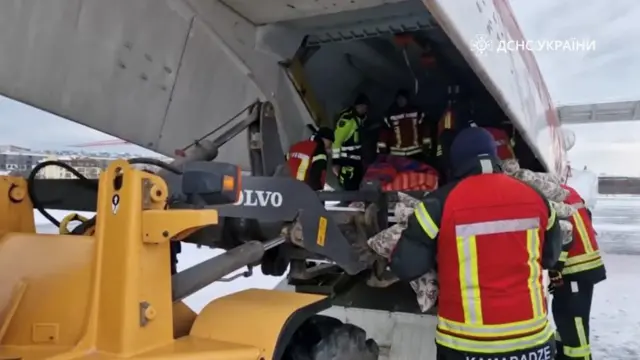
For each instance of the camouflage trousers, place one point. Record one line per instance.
(383, 243)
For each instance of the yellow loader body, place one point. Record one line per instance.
(109, 295)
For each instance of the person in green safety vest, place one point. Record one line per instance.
(347, 147)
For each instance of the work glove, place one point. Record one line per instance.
(556, 280)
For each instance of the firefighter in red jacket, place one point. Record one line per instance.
(404, 131)
(572, 288)
(490, 236)
(307, 160)
(503, 143)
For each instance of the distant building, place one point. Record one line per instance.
(88, 167)
(19, 161)
(15, 158)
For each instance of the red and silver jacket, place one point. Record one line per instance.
(307, 161)
(583, 261)
(403, 132)
(503, 143)
(491, 236)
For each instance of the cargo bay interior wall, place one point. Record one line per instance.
(378, 51)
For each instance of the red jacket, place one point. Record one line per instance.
(494, 236)
(404, 132)
(582, 261)
(503, 142)
(307, 161)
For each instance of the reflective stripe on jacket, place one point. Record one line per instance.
(404, 132)
(583, 260)
(445, 123)
(490, 246)
(307, 162)
(347, 145)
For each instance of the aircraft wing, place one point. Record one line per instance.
(599, 112)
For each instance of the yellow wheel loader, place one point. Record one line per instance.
(111, 294)
(109, 287)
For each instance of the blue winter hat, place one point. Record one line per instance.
(469, 144)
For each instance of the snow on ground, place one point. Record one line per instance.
(615, 324)
(615, 314)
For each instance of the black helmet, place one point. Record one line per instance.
(324, 133)
(361, 99)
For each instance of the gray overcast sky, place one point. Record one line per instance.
(573, 77)
(607, 74)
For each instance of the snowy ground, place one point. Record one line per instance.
(615, 327)
(616, 305)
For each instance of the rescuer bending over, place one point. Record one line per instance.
(572, 287)
(307, 160)
(490, 237)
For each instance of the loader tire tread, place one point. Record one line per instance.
(326, 338)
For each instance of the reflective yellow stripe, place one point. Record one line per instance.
(492, 330)
(579, 259)
(535, 272)
(439, 150)
(426, 222)
(584, 235)
(563, 256)
(552, 216)
(582, 351)
(302, 169)
(494, 346)
(469, 283)
(574, 269)
(382, 145)
(473, 325)
(415, 132)
(590, 259)
(577, 353)
(447, 120)
(319, 157)
(426, 141)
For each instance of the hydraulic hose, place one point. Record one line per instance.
(91, 184)
(86, 182)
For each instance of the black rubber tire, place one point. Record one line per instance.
(326, 338)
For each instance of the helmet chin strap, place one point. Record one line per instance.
(486, 165)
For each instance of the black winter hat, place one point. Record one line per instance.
(325, 133)
(470, 143)
(361, 99)
(403, 93)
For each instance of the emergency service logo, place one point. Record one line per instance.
(481, 45)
